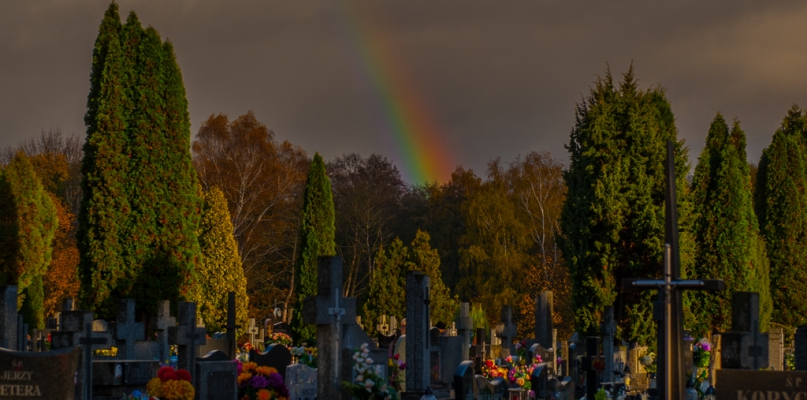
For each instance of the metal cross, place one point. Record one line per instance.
(87, 342)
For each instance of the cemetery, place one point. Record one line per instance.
(231, 266)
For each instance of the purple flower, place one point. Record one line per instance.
(275, 380)
(706, 346)
(259, 381)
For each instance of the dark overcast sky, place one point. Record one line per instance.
(498, 78)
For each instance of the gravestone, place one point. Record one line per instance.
(464, 381)
(338, 335)
(563, 388)
(507, 332)
(187, 336)
(39, 375)
(608, 331)
(127, 330)
(539, 379)
(479, 349)
(776, 349)
(417, 335)
(592, 383)
(231, 326)
(253, 331)
(160, 322)
(275, 355)
(216, 377)
(464, 324)
(85, 376)
(745, 347)
(495, 389)
(564, 354)
(742, 384)
(400, 349)
(800, 348)
(547, 356)
(301, 380)
(543, 319)
(114, 378)
(8, 317)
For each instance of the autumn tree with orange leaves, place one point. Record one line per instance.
(262, 180)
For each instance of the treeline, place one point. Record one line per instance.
(145, 211)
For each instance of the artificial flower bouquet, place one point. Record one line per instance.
(260, 383)
(369, 383)
(701, 355)
(648, 361)
(279, 338)
(171, 384)
(490, 370)
(305, 355)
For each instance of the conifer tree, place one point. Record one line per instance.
(316, 239)
(426, 260)
(140, 212)
(386, 293)
(220, 270)
(730, 247)
(781, 205)
(613, 217)
(27, 226)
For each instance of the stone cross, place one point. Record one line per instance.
(743, 346)
(187, 336)
(479, 356)
(383, 326)
(231, 327)
(507, 332)
(670, 333)
(463, 326)
(417, 334)
(608, 332)
(330, 312)
(589, 359)
(88, 341)
(161, 322)
(543, 319)
(252, 330)
(126, 329)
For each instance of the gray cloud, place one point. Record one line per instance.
(500, 78)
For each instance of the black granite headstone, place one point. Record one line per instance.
(741, 384)
(216, 380)
(464, 381)
(38, 375)
(276, 356)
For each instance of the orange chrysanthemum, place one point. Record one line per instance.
(154, 387)
(178, 390)
(248, 366)
(265, 371)
(243, 377)
(264, 394)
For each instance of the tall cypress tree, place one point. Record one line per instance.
(141, 211)
(316, 239)
(613, 218)
(28, 224)
(730, 247)
(220, 270)
(781, 205)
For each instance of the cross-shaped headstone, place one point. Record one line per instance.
(161, 322)
(231, 326)
(383, 326)
(88, 341)
(592, 356)
(608, 333)
(507, 331)
(743, 346)
(126, 329)
(670, 332)
(253, 331)
(187, 336)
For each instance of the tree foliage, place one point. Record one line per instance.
(61, 281)
(729, 245)
(367, 193)
(262, 180)
(781, 206)
(140, 210)
(386, 294)
(317, 240)
(613, 217)
(220, 270)
(27, 225)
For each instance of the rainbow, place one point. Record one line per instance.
(412, 133)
